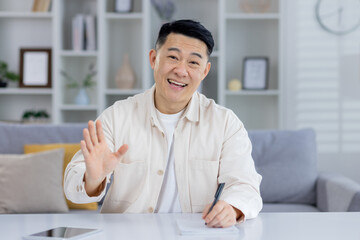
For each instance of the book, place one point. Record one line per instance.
(78, 32)
(90, 33)
(46, 5)
(41, 5)
(36, 5)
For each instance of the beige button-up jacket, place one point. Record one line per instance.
(211, 146)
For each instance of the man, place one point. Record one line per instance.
(168, 148)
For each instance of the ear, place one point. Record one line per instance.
(152, 57)
(207, 69)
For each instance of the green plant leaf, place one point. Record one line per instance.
(7, 75)
(3, 68)
(28, 114)
(12, 76)
(87, 82)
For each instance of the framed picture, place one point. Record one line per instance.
(255, 73)
(35, 68)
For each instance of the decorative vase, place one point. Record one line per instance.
(165, 9)
(125, 77)
(82, 97)
(123, 5)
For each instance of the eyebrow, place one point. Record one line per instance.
(178, 50)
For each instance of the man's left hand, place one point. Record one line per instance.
(222, 215)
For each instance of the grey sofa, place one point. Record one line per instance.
(285, 159)
(291, 182)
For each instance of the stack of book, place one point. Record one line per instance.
(84, 32)
(41, 5)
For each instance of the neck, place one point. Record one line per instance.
(168, 107)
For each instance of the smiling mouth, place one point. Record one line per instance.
(176, 83)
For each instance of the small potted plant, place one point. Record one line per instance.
(88, 82)
(32, 116)
(6, 75)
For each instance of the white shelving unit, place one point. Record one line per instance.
(251, 34)
(237, 35)
(21, 28)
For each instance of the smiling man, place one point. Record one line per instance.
(180, 63)
(169, 147)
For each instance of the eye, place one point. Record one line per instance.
(172, 57)
(194, 63)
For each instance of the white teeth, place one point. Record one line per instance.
(176, 83)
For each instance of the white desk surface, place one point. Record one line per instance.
(289, 226)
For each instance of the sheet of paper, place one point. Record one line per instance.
(198, 227)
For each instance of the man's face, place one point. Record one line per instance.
(179, 65)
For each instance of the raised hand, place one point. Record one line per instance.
(99, 160)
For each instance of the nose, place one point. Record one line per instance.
(181, 69)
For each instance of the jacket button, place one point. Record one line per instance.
(150, 210)
(160, 172)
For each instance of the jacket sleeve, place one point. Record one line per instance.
(74, 185)
(237, 170)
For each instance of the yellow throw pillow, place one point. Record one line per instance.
(70, 150)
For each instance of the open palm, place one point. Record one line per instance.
(99, 159)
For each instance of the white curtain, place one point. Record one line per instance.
(322, 86)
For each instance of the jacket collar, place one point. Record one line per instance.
(192, 110)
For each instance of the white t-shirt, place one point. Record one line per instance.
(169, 197)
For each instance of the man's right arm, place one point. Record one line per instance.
(91, 168)
(74, 184)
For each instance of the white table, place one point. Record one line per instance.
(268, 226)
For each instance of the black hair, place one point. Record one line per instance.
(189, 28)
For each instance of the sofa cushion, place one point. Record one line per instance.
(287, 162)
(70, 150)
(31, 183)
(15, 136)
(288, 207)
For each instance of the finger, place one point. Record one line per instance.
(227, 221)
(100, 131)
(84, 149)
(87, 139)
(92, 132)
(215, 211)
(217, 226)
(205, 211)
(219, 219)
(122, 150)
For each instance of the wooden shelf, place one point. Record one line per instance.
(26, 91)
(71, 53)
(252, 93)
(9, 14)
(74, 107)
(114, 16)
(252, 16)
(123, 91)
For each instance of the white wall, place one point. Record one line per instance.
(322, 79)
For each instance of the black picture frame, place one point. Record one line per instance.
(35, 68)
(255, 73)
